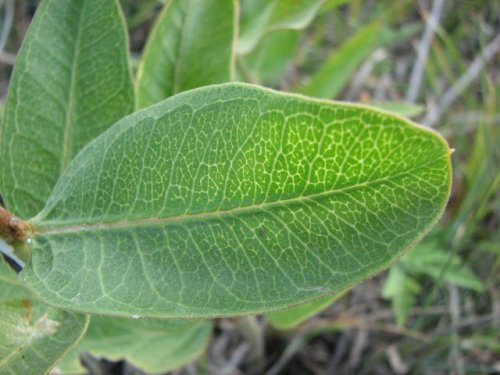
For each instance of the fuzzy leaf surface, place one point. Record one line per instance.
(70, 83)
(233, 199)
(191, 45)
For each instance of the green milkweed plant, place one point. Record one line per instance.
(189, 196)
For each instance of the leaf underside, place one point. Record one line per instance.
(233, 199)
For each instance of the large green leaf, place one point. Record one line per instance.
(191, 45)
(153, 346)
(34, 338)
(70, 83)
(234, 199)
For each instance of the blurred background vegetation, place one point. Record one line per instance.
(436, 311)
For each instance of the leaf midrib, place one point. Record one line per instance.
(40, 228)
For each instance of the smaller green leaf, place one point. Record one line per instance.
(332, 4)
(402, 290)
(190, 45)
(71, 81)
(430, 259)
(292, 317)
(268, 61)
(10, 287)
(293, 14)
(336, 71)
(152, 345)
(34, 337)
(331, 77)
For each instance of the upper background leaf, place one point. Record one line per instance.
(268, 61)
(234, 199)
(33, 336)
(260, 17)
(337, 69)
(191, 45)
(70, 83)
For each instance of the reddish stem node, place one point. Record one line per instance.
(12, 229)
